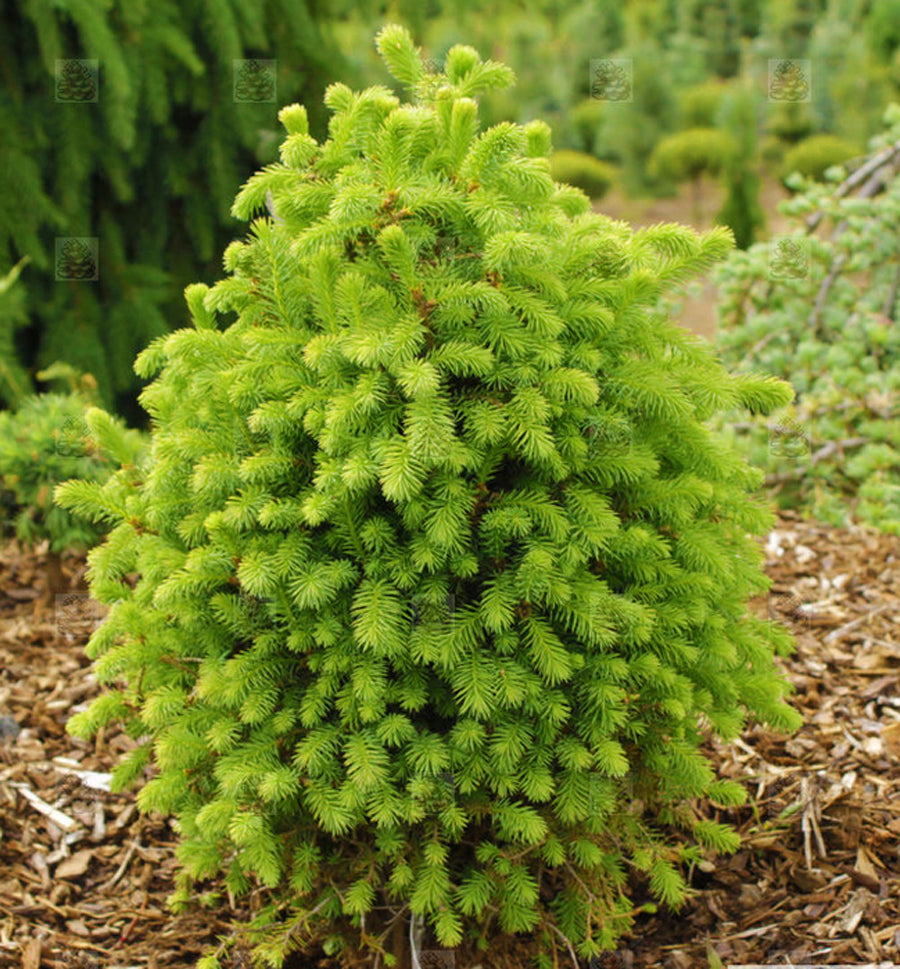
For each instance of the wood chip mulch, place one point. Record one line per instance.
(84, 876)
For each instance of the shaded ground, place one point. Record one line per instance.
(816, 881)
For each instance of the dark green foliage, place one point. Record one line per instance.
(634, 127)
(586, 126)
(884, 28)
(439, 499)
(813, 156)
(592, 176)
(48, 440)
(144, 154)
(716, 24)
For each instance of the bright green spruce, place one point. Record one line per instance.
(438, 500)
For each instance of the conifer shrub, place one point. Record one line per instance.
(813, 156)
(701, 103)
(818, 307)
(44, 441)
(442, 581)
(686, 156)
(593, 176)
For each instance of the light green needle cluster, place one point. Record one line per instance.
(429, 494)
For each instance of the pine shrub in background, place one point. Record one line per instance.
(813, 156)
(592, 176)
(818, 306)
(687, 156)
(442, 582)
(47, 440)
(741, 211)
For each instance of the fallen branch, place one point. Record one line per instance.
(120, 871)
(837, 633)
(61, 820)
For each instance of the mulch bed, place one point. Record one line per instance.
(84, 876)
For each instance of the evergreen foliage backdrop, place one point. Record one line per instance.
(145, 156)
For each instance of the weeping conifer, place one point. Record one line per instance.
(437, 502)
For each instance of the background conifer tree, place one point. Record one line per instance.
(438, 499)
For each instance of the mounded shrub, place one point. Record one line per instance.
(592, 176)
(691, 153)
(701, 103)
(47, 440)
(586, 121)
(442, 581)
(813, 156)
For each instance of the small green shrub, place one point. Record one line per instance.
(592, 176)
(46, 440)
(701, 103)
(442, 582)
(586, 120)
(813, 156)
(688, 154)
(821, 311)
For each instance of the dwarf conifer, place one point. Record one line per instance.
(442, 580)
